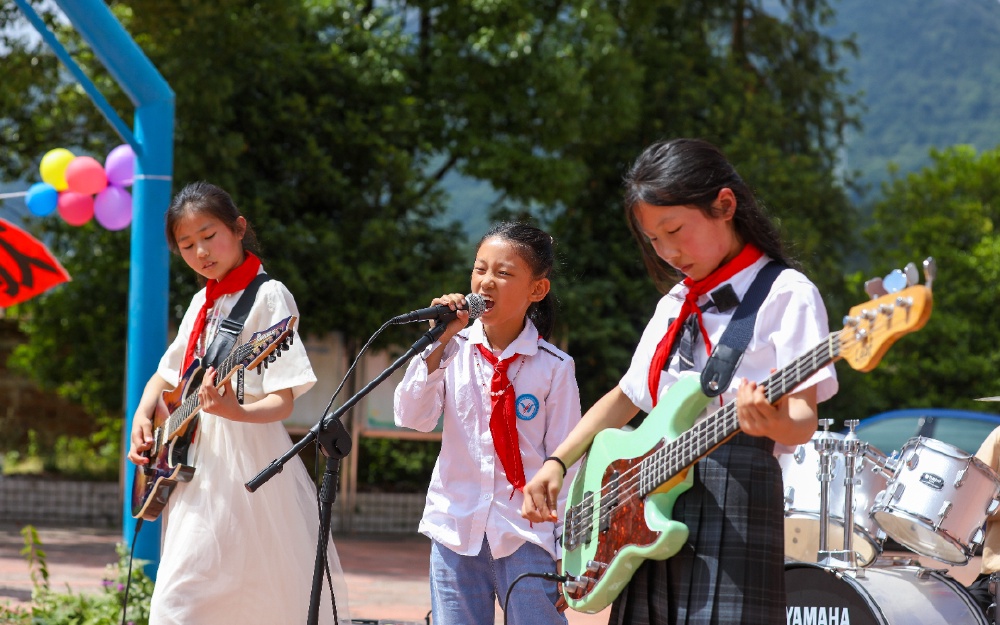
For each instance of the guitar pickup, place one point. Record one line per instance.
(609, 501)
(579, 523)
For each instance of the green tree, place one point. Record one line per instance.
(764, 85)
(334, 122)
(312, 130)
(948, 210)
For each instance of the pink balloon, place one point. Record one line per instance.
(76, 208)
(120, 165)
(113, 208)
(85, 175)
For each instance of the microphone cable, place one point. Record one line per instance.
(552, 577)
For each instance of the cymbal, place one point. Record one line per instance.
(989, 398)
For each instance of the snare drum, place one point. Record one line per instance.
(937, 500)
(877, 596)
(800, 474)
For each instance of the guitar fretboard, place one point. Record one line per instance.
(668, 461)
(189, 406)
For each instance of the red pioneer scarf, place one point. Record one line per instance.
(696, 288)
(503, 418)
(236, 280)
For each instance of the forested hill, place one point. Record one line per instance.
(929, 73)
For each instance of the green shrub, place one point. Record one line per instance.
(89, 459)
(395, 465)
(55, 608)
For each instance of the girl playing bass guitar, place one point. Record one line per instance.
(694, 218)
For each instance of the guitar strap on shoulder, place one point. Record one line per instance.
(230, 328)
(726, 356)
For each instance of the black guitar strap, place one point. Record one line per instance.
(230, 328)
(726, 356)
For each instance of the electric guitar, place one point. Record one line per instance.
(172, 435)
(619, 506)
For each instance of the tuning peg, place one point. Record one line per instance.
(911, 274)
(895, 281)
(930, 272)
(874, 288)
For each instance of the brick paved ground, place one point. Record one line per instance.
(386, 574)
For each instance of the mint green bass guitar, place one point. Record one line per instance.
(619, 507)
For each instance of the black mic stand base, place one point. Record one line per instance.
(335, 443)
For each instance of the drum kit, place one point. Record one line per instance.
(844, 498)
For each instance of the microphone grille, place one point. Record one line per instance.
(476, 306)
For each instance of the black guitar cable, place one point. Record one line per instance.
(128, 579)
(552, 577)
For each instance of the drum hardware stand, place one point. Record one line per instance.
(851, 447)
(826, 445)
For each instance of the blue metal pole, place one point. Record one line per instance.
(148, 273)
(148, 291)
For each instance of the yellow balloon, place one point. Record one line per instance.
(53, 167)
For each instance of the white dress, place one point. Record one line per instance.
(231, 556)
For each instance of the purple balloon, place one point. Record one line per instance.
(120, 166)
(113, 208)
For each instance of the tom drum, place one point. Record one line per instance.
(937, 500)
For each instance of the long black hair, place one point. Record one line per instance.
(691, 172)
(204, 197)
(537, 248)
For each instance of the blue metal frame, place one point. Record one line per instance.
(153, 144)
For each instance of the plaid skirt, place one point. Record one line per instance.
(731, 570)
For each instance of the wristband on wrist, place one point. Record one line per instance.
(559, 460)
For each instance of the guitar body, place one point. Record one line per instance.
(167, 466)
(623, 531)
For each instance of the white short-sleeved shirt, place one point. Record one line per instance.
(791, 320)
(273, 302)
(469, 494)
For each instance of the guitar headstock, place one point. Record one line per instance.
(898, 306)
(264, 346)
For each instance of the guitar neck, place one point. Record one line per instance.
(187, 409)
(696, 442)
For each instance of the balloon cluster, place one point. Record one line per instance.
(82, 189)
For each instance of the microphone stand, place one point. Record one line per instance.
(335, 443)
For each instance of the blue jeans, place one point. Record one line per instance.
(464, 589)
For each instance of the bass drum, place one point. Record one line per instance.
(893, 595)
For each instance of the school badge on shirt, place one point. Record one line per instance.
(527, 407)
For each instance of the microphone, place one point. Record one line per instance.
(441, 313)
